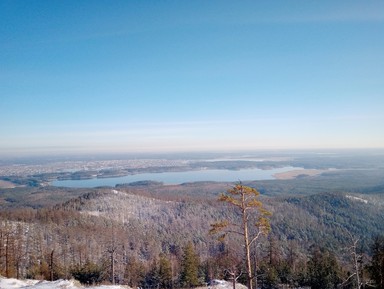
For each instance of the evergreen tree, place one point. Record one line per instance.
(134, 273)
(165, 272)
(89, 273)
(152, 278)
(245, 200)
(323, 270)
(268, 276)
(376, 268)
(190, 267)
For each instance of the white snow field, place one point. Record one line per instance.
(10, 283)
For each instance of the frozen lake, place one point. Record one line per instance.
(180, 177)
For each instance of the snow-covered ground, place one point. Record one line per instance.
(9, 283)
(354, 198)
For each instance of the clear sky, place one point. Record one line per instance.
(114, 76)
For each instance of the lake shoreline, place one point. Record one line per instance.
(173, 177)
(289, 175)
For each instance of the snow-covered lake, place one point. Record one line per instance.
(180, 177)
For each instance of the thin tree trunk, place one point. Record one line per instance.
(234, 282)
(113, 266)
(255, 268)
(247, 245)
(356, 261)
(7, 256)
(51, 265)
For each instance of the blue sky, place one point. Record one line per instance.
(116, 76)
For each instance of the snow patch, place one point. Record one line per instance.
(119, 193)
(353, 198)
(93, 213)
(107, 287)
(62, 284)
(6, 283)
(10, 283)
(222, 284)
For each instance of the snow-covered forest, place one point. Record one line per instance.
(140, 238)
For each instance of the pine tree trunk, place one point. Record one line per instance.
(248, 256)
(247, 245)
(7, 256)
(51, 265)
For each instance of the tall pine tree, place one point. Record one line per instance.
(254, 222)
(165, 272)
(190, 267)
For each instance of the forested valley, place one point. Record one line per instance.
(325, 232)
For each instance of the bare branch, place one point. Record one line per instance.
(255, 238)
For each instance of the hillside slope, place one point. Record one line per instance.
(134, 228)
(324, 219)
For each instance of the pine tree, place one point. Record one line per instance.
(165, 272)
(134, 273)
(190, 267)
(245, 199)
(324, 270)
(376, 268)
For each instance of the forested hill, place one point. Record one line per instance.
(325, 219)
(139, 226)
(328, 219)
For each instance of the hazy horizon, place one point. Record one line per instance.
(143, 76)
(74, 155)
